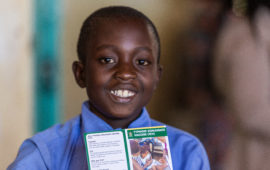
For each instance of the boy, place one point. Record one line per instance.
(118, 51)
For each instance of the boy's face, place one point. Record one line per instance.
(121, 69)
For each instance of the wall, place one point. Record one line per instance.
(15, 77)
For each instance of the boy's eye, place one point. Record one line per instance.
(142, 62)
(106, 60)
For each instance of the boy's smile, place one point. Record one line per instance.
(121, 69)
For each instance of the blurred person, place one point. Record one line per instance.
(201, 101)
(241, 71)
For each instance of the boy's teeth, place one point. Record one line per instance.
(123, 93)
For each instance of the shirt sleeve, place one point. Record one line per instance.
(198, 159)
(187, 151)
(28, 158)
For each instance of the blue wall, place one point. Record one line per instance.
(47, 75)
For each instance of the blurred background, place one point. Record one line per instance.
(38, 45)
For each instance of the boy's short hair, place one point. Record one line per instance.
(110, 12)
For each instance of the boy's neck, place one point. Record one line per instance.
(115, 123)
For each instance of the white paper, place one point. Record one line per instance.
(106, 151)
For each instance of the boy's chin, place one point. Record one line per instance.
(122, 115)
(117, 113)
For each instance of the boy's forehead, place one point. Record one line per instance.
(103, 23)
(114, 15)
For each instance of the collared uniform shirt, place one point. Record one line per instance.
(61, 147)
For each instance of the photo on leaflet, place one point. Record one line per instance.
(150, 153)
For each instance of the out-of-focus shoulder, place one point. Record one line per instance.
(58, 130)
(175, 132)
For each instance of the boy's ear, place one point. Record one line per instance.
(160, 71)
(79, 73)
(159, 74)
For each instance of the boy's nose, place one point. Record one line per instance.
(125, 72)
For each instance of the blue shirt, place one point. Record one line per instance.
(62, 147)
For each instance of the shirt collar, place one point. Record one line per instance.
(93, 123)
